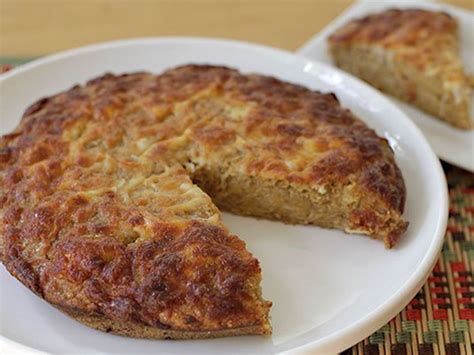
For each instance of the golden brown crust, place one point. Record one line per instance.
(419, 36)
(395, 27)
(138, 330)
(99, 214)
(414, 55)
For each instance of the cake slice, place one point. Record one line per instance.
(411, 54)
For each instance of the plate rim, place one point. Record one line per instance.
(362, 328)
(342, 17)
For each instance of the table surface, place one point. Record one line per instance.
(32, 27)
(440, 319)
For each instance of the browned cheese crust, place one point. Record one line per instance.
(141, 330)
(100, 217)
(412, 54)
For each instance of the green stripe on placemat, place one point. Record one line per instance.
(15, 61)
(440, 319)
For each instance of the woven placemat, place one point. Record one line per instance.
(440, 319)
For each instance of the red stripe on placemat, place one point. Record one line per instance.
(467, 314)
(413, 314)
(453, 229)
(437, 267)
(440, 314)
(458, 266)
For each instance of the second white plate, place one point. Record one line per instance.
(453, 145)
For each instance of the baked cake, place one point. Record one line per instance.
(109, 190)
(412, 54)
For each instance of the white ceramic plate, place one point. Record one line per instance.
(329, 290)
(450, 144)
